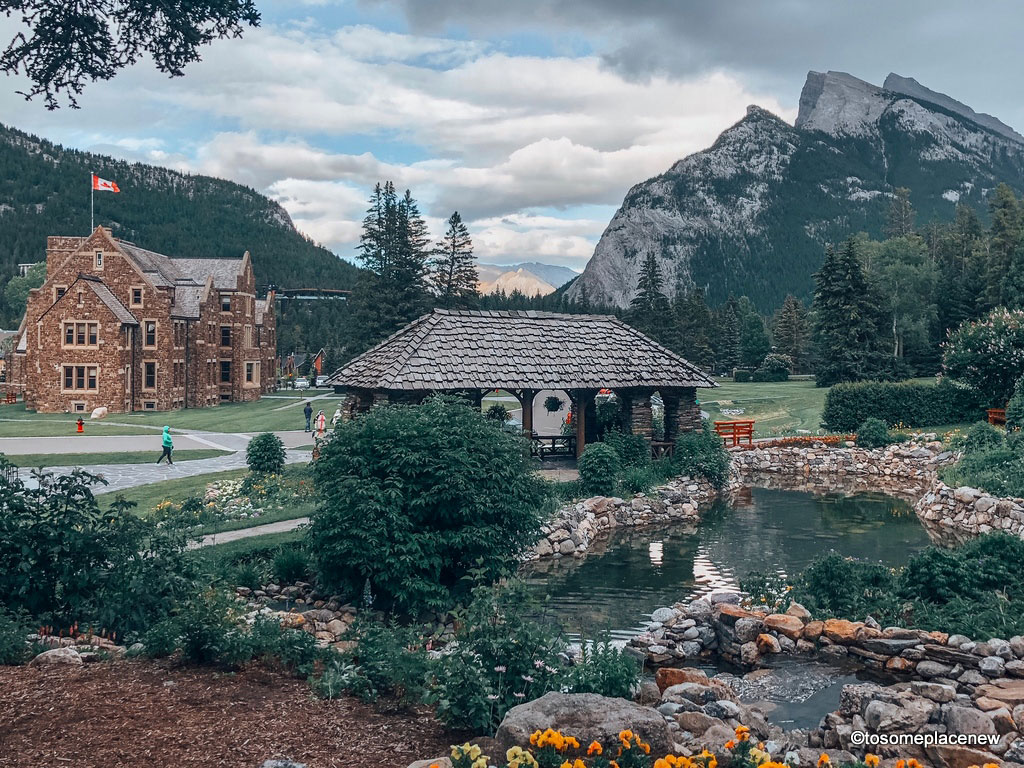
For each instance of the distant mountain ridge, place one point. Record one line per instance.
(530, 278)
(44, 190)
(751, 214)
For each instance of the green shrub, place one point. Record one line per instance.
(702, 454)
(834, 586)
(248, 574)
(742, 376)
(416, 499)
(633, 450)
(64, 560)
(768, 589)
(988, 355)
(265, 454)
(603, 669)
(637, 480)
(14, 649)
(162, 639)
(502, 656)
(1015, 408)
(553, 404)
(873, 434)
(498, 413)
(598, 467)
(982, 437)
(608, 415)
(209, 631)
(290, 564)
(775, 367)
(993, 461)
(906, 404)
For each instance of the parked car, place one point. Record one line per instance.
(302, 383)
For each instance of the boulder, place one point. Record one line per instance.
(790, 626)
(813, 629)
(440, 762)
(723, 710)
(696, 722)
(992, 666)
(666, 677)
(768, 644)
(57, 656)
(663, 614)
(841, 631)
(587, 716)
(969, 720)
(1010, 692)
(747, 629)
(928, 669)
(934, 691)
(951, 756)
(695, 692)
(797, 610)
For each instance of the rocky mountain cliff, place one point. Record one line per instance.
(752, 213)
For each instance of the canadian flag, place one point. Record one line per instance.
(102, 185)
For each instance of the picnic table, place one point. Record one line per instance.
(733, 432)
(544, 446)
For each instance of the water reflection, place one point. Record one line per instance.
(627, 576)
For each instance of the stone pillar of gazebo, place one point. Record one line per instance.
(681, 411)
(583, 412)
(636, 413)
(526, 397)
(358, 401)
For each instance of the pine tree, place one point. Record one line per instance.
(845, 318)
(754, 341)
(1004, 240)
(694, 328)
(650, 311)
(900, 220)
(727, 346)
(790, 332)
(453, 269)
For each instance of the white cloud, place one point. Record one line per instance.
(495, 135)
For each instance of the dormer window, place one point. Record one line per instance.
(225, 302)
(136, 297)
(99, 260)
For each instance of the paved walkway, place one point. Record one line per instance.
(183, 439)
(281, 526)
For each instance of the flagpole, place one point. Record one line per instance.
(92, 199)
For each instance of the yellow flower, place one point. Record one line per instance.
(912, 763)
(824, 760)
(474, 752)
(662, 762)
(730, 744)
(595, 748)
(625, 737)
(480, 762)
(901, 764)
(871, 761)
(570, 741)
(534, 737)
(742, 733)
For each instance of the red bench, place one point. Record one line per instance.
(10, 398)
(733, 432)
(997, 416)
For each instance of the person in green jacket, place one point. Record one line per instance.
(168, 447)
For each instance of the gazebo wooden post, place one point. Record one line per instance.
(581, 398)
(526, 397)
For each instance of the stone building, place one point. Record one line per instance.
(118, 326)
(524, 353)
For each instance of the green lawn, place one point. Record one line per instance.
(778, 408)
(260, 416)
(146, 497)
(84, 459)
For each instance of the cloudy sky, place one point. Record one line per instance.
(532, 118)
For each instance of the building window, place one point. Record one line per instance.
(78, 406)
(99, 260)
(81, 334)
(249, 372)
(150, 326)
(80, 378)
(225, 302)
(225, 335)
(149, 375)
(149, 405)
(136, 297)
(58, 291)
(225, 371)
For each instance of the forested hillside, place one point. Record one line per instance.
(44, 190)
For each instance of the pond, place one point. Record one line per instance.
(624, 578)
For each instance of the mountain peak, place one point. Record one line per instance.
(908, 86)
(839, 103)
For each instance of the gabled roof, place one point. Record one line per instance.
(448, 350)
(97, 286)
(167, 271)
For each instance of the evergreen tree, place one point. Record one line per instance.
(392, 291)
(1004, 240)
(845, 325)
(727, 347)
(650, 311)
(453, 269)
(790, 331)
(754, 341)
(694, 328)
(959, 286)
(900, 220)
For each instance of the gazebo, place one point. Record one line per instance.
(472, 353)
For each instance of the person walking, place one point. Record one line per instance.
(321, 424)
(336, 417)
(168, 444)
(308, 411)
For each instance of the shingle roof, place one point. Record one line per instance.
(166, 270)
(187, 299)
(536, 350)
(120, 311)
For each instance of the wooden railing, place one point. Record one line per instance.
(545, 446)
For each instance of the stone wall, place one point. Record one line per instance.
(970, 511)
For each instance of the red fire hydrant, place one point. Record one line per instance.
(81, 425)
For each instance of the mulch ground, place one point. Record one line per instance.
(135, 713)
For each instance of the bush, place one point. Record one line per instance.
(637, 480)
(598, 467)
(290, 564)
(633, 450)
(988, 355)
(907, 404)
(63, 560)
(702, 454)
(873, 434)
(417, 499)
(983, 437)
(265, 454)
(992, 461)
(14, 649)
(775, 367)
(604, 669)
(162, 639)
(209, 632)
(834, 586)
(553, 404)
(741, 376)
(1015, 408)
